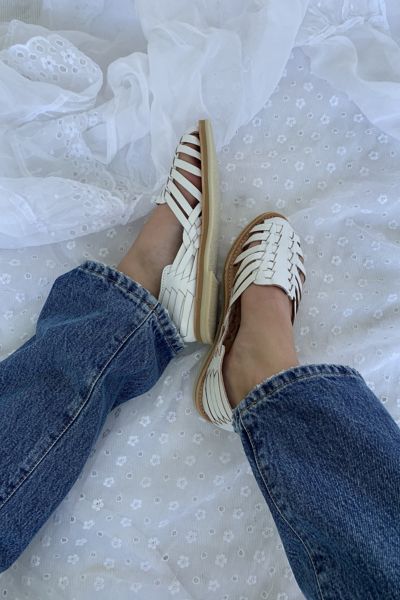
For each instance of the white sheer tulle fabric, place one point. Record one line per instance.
(93, 97)
(95, 122)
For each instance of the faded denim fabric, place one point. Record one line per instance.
(323, 449)
(326, 456)
(101, 339)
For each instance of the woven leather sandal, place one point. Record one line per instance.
(189, 287)
(276, 259)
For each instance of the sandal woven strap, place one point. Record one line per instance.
(178, 282)
(275, 259)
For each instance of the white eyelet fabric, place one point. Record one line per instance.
(167, 506)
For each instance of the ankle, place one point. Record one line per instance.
(154, 248)
(136, 265)
(246, 366)
(258, 353)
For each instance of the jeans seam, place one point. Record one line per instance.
(166, 335)
(81, 407)
(133, 295)
(279, 511)
(286, 384)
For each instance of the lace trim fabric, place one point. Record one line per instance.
(53, 60)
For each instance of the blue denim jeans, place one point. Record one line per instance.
(324, 451)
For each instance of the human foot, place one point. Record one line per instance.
(175, 254)
(264, 344)
(263, 283)
(161, 236)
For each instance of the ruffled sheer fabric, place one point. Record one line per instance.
(351, 46)
(81, 110)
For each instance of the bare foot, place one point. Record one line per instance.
(264, 343)
(160, 238)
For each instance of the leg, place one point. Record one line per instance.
(325, 454)
(101, 339)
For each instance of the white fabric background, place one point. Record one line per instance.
(167, 506)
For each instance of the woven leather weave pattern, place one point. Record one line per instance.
(178, 282)
(274, 259)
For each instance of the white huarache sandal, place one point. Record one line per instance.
(189, 287)
(275, 260)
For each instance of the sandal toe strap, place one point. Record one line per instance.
(274, 259)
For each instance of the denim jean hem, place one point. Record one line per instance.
(141, 297)
(287, 378)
